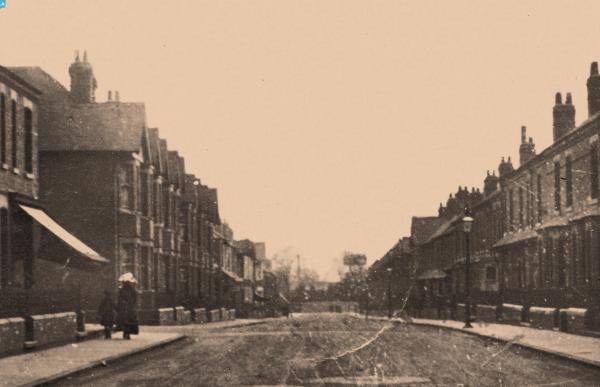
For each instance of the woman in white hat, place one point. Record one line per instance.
(126, 304)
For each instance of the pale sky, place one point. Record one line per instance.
(325, 125)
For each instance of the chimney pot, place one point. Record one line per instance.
(558, 99)
(110, 95)
(563, 118)
(594, 68)
(117, 97)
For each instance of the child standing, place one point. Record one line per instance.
(106, 313)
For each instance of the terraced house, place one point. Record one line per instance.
(114, 180)
(37, 253)
(535, 246)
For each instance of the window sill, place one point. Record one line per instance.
(30, 176)
(5, 167)
(16, 171)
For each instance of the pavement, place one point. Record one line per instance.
(52, 364)
(582, 349)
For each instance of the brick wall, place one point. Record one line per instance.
(542, 317)
(12, 335)
(200, 315)
(214, 315)
(54, 328)
(17, 180)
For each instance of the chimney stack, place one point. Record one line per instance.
(527, 149)
(593, 87)
(83, 83)
(505, 167)
(564, 116)
(109, 95)
(117, 98)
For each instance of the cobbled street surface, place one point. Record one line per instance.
(336, 350)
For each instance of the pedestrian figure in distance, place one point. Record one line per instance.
(106, 314)
(286, 310)
(126, 304)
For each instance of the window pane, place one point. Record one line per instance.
(28, 141)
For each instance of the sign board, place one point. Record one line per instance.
(355, 260)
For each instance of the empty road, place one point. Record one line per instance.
(335, 350)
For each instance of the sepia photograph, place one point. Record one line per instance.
(299, 193)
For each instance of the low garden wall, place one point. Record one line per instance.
(224, 314)
(486, 313)
(541, 317)
(214, 315)
(54, 328)
(12, 335)
(512, 313)
(200, 315)
(572, 320)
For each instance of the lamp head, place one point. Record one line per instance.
(467, 223)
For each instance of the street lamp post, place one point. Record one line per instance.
(467, 224)
(389, 292)
(367, 306)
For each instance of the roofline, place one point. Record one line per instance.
(577, 131)
(32, 91)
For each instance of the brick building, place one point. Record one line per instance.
(107, 175)
(534, 240)
(38, 256)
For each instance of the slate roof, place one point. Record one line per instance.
(108, 126)
(422, 228)
(444, 227)
(164, 158)
(516, 237)
(189, 192)
(41, 81)
(175, 169)
(154, 144)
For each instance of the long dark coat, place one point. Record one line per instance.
(127, 301)
(106, 311)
